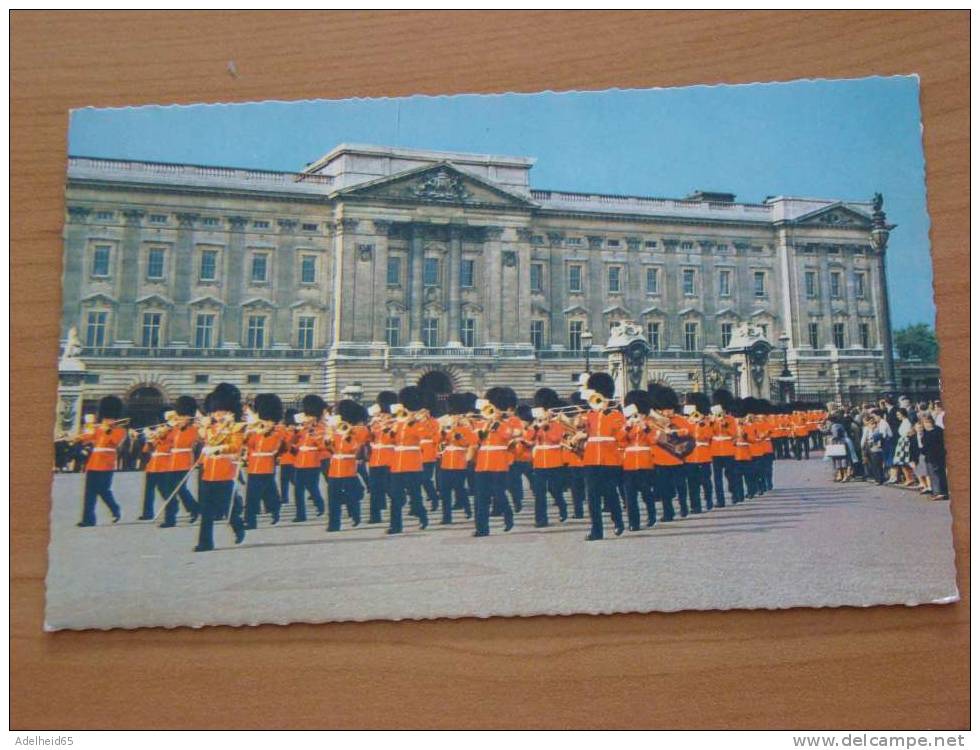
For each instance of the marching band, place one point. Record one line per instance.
(601, 453)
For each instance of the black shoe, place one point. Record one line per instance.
(167, 525)
(481, 533)
(563, 515)
(590, 538)
(508, 525)
(356, 523)
(275, 519)
(423, 525)
(117, 518)
(83, 525)
(239, 530)
(634, 528)
(199, 548)
(541, 525)
(330, 531)
(375, 519)
(145, 518)
(250, 527)
(391, 531)
(319, 512)
(194, 517)
(651, 522)
(299, 520)
(618, 531)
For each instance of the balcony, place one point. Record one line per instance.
(188, 352)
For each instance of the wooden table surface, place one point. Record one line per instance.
(886, 667)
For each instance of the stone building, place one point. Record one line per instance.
(375, 267)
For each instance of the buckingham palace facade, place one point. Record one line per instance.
(374, 267)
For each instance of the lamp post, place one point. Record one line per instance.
(704, 374)
(587, 343)
(785, 377)
(880, 231)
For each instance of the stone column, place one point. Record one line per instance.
(183, 274)
(884, 317)
(73, 278)
(521, 332)
(709, 298)
(595, 290)
(284, 292)
(379, 310)
(493, 296)
(791, 325)
(234, 267)
(416, 255)
(455, 298)
(126, 324)
(673, 295)
(346, 274)
(557, 297)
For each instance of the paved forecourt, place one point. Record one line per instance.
(809, 543)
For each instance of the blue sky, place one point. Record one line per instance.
(831, 139)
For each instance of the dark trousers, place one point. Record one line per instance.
(801, 448)
(669, 481)
(171, 480)
(153, 482)
(428, 472)
(698, 477)
(287, 479)
(876, 466)
(343, 492)
(451, 484)
(544, 481)
(260, 490)
(635, 484)
(216, 502)
(308, 480)
(602, 486)
(98, 484)
(515, 482)
(379, 478)
(491, 490)
(744, 481)
(575, 481)
(406, 485)
(767, 462)
(723, 468)
(937, 477)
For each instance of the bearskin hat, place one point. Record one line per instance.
(110, 407)
(314, 406)
(737, 408)
(430, 399)
(662, 397)
(602, 383)
(639, 399)
(524, 413)
(410, 397)
(546, 398)
(268, 406)
(289, 417)
(226, 397)
(575, 399)
(185, 406)
(461, 403)
(723, 398)
(385, 399)
(699, 401)
(498, 397)
(350, 411)
(510, 397)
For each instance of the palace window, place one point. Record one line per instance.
(255, 337)
(253, 379)
(467, 273)
(310, 227)
(650, 244)
(210, 221)
(104, 215)
(721, 248)
(690, 337)
(430, 272)
(393, 331)
(537, 334)
(430, 332)
(537, 239)
(725, 283)
(394, 274)
(687, 246)
(209, 265)
(575, 278)
(688, 281)
(260, 225)
(864, 331)
(859, 285)
(726, 334)
(573, 240)
(260, 268)
(811, 283)
(759, 283)
(653, 336)
(613, 243)
(307, 269)
(839, 335)
(835, 286)
(200, 378)
(537, 276)
(575, 335)
(467, 332)
(303, 378)
(100, 260)
(814, 331)
(95, 327)
(204, 330)
(151, 330)
(653, 280)
(306, 326)
(614, 280)
(158, 218)
(154, 263)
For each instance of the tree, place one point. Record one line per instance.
(917, 341)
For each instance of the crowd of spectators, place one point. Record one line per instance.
(895, 443)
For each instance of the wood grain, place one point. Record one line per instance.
(880, 667)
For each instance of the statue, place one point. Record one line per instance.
(628, 352)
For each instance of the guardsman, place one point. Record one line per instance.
(309, 450)
(670, 477)
(457, 441)
(572, 450)
(287, 457)
(766, 425)
(183, 439)
(493, 462)
(156, 443)
(744, 475)
(520, 466)
(222, 434)
(723, 445)
(265, 441)
(381, 453)
(345, 439)
(801, 435)
(515, 483)
(697, 464)
(602, 425)
(102, 438)
(546, 435)
(429, 443)
(638, 438)
(406, 467)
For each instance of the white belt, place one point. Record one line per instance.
(309, 448)
(742, 445)
(380, 446)
(259, 455)
(454, 448)
(493, 447)
(601, 439)
(636, 448)
(344, 455)
(181, 450)
(425, 440)
(156, 454)
(703, 445)
(103, 450)
(407, 448)
(721, 437)
(545, 448)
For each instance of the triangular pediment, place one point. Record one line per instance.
(154, 299)
(688, 311)
(575, 310)
(442, 183)
(835, 215)
(206, 301)
(616, 310)
(258, 302)
(99, 299)
(652, 310)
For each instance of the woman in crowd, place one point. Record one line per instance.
(839, 439)
(933, 444)
(903, 450)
